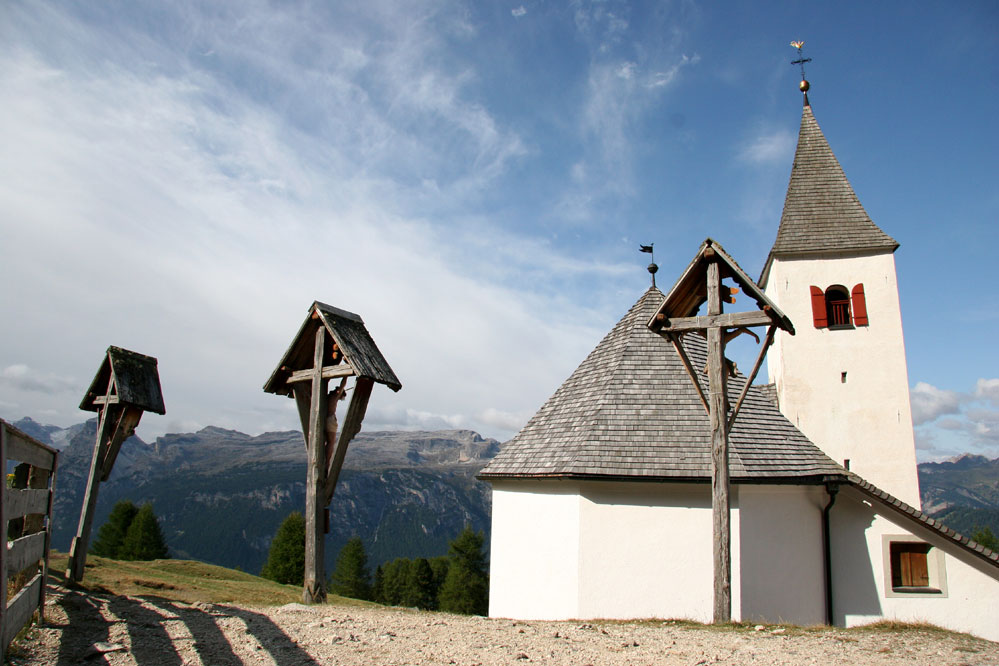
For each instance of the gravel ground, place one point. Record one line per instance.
(86, 628)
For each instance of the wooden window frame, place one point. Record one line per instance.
(912, 567)
(838, 310)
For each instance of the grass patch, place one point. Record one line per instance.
(181, 580)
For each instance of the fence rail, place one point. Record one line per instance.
(26, 516)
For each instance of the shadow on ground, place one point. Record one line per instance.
(91, 618)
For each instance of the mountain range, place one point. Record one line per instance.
(221, 494)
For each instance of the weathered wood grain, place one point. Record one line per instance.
(24, 450)
(727, 320)
(23, 502)
(315, 528)
(329, 372)
(24, 551)
(20, 609)
(351, 426)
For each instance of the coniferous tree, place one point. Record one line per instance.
(377, 591)
(112, 533)
(985, 537)
(350, 576)
(466, 586)
(396, 573)
(286, 558)
(144, 539)
(439, 566)
(419, 589)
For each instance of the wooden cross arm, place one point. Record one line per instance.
(724, 320)
(329, 372)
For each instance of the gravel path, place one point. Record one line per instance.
(86, 628)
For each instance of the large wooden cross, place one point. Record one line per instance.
(702, 283)
(126, 385)
(332, 344)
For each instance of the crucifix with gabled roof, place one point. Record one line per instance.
(331, 344)
(126, 385)
(701, 283)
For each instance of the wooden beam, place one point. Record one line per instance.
(351, 426)
(20, 449)
(24, 551)
(720, 499)
(78, 548)
(727, 320)
(26, 502)
(303, 401)
(315, 529)
(672, 337)
(124, 428)
(17, 614)
(106, 400)
(749, 380)
(329, 372)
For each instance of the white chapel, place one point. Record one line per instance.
(602, 504)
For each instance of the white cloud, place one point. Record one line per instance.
(518, 11)
(772, 148)
(194, 219)
(988, 390)
(929, 402)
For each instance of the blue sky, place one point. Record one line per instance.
(473, 178)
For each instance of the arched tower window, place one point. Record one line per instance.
(838, 306)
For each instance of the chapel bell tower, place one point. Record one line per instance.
(842, 380)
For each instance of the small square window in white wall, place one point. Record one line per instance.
(912, 567)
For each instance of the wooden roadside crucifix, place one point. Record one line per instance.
(126, 385)
(701, 283)
(331, 344)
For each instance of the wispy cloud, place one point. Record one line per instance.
(191, 207)
(771, 148)
(519, 12)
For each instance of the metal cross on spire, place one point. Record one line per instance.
(803, 86)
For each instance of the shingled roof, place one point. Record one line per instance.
(630, 411)
(821, 211)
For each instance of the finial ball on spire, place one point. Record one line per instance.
(803, 86)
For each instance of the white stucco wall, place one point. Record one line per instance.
(646, 551)
(535, 550)
(862, 587)
(866, 419)
(562, 550)
(782, 571)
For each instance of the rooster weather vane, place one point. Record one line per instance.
(801, 63)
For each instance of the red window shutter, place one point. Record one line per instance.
(859, 306)
(819, 308)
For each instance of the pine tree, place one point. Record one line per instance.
(350, 576)
(286, 559)
(377, 588)
(112, 533)
(396, 573)
(144, 539)
(985, 537)
(419, 589)
(466, 586)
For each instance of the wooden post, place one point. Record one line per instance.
(720, 501)
(78, 548)
(315, 524)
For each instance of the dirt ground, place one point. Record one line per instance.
(88, 628)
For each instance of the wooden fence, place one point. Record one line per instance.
(26, 515)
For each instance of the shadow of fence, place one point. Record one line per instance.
(154, 638)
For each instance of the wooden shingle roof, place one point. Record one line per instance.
(348, 331)
(137, 381)
(822, 213)
(630, 411)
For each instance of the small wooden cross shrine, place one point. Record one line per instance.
(126, 385)
(702, 282)
(332, 344)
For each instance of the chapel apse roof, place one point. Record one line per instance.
(630, 411)
(822, 213)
